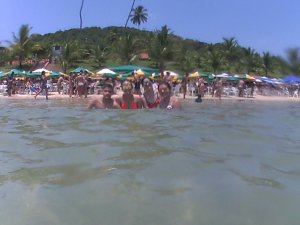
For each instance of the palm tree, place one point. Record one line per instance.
(230, 54)
(128, 17)
(81, 7)
(126, 48)
(267, 62)
(214, 59)
(69, 55)
(250, 60)
(100, 55)
(187, 60)
(294, 60)
(21, 44)
(160, 47)
(139, 15)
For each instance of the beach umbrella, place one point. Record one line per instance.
(131, 69)
(291, 79)
(2, 75)
(194, 75)
(223, 75)
(40, 70)
(140, 72)
(172, 73)
(32, 75)
(105, 71)
(81, 70)
(55, 74)
(15, 73)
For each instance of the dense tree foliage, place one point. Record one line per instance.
(96, 47)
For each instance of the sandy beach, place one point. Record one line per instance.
(260, 98)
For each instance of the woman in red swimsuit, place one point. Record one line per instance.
(128, 100)
(150, 93)
(167, 101)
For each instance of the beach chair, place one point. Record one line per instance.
(176, 90)
(3, 89)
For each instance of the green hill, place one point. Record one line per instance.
(96, 47)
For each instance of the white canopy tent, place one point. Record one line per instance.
(105, 71)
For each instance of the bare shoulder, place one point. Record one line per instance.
(95, 102)
(175, 102)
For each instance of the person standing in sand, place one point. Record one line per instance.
(104, 102)
(59, 83)
(43, 86)
(81, 85)
(184, 84)
(241, 87)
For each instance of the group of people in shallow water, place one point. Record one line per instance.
(154, 96)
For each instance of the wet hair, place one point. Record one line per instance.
(128, 82)
(106, 85)
(146, 79)
(43, 72)
(165, 83)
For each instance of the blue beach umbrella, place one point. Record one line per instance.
(291, 79)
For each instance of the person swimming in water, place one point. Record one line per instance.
(128, 100)
(167, 101)
(150, 93)
(105, 101)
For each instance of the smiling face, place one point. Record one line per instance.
(107, 92)
(164, 90)
(127, 87)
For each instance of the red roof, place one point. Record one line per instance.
(144, 56)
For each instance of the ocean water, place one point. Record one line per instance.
(217, 162)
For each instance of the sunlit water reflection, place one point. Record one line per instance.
(225, 162)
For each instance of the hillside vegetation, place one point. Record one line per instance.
(96, 47)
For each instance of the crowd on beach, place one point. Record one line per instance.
(139, 92)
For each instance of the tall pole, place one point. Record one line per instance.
(82, 2)
(129, 13)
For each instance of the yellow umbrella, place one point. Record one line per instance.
(140, 72)
(248, 77)
(194, 75)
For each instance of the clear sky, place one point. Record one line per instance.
(264, 25)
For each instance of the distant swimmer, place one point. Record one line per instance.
(105, 101)
(167, 101)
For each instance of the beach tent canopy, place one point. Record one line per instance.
(2, 75)
(16, 73)
(105, 71)
(223, 75)
(247, 77)
(41, 70)
(291, 79)
(131, 69)
(194, 75)
(81, 70)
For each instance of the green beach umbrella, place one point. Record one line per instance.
(15, 73)
(81, 70)
(2, 75)
(131, 68)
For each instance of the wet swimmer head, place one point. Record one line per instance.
(105, 101)
(107, 91)
(167, 101)
(127, 87)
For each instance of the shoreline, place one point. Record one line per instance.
(258, 98)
